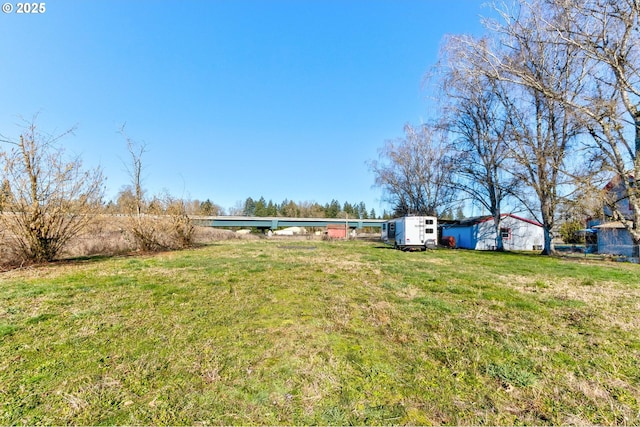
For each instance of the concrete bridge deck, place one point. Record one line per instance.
(273, 223)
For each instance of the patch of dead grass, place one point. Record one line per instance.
(409, 292)
(571, 288)
(603, 298)
(380, 313)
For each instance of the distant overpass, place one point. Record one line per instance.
(273, 223)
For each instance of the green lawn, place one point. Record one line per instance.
(266, 332)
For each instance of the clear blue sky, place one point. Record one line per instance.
(234, 98)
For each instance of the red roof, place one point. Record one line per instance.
(479, 219)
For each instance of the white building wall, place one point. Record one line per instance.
(485, 236)
(523, 236)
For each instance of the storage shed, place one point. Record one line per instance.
(337, 231)
(615, 239)
(519, 234)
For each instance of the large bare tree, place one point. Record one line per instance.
(50, 197)
(529, 60)
(415, 172)
(595, 44)
(473, 113)
(606, 36)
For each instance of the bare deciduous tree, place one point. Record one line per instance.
(156, 224)
(474, 115)
(142, 225)
(594, 49)
(415, 172)
(134, 169)
(606, 35)
(529, 60)
(50, 199)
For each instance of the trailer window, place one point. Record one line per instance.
(428, 230)
(428, 221)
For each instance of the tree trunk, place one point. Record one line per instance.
(547, 226)
(497, 217)
(548, 244)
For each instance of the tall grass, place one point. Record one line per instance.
(259, 332)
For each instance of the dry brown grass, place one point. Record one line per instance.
(108, 235)
(598, 295)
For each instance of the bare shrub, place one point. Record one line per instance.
(143, 232)
(48, 198)
(161, 223)
(181, 228)
(166, 226)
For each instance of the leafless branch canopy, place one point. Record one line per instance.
(48, 197)
(415, 172)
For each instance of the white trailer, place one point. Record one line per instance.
(411, 232)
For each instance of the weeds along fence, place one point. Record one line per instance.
(618, 252)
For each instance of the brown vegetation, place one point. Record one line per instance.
(109, 235)
(47, 198)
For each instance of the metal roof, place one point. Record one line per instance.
(612, 224)
(478, 219)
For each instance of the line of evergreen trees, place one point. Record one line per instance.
(289, 208)
(258, 207)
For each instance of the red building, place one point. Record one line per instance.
(337, 231)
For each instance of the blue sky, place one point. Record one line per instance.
(233, 98)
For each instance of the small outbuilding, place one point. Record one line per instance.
(337, 231)
(615, 239)
(479, 233)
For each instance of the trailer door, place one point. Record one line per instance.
(391, 230)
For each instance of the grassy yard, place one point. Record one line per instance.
(272, 332)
